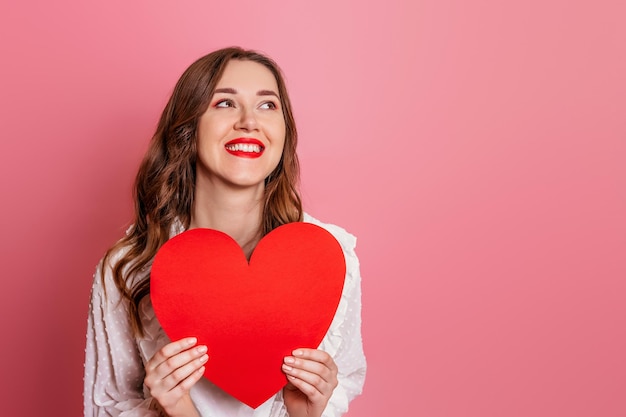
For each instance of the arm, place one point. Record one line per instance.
(343, 341)
(114, 372)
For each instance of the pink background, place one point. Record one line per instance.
(477, 149)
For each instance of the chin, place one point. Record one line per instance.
(248, 183)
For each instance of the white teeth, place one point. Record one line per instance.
(244, 147)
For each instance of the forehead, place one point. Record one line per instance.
(247, 76)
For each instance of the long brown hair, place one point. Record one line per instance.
(164, 186)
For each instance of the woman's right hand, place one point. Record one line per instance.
(171, 373)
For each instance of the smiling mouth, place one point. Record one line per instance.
(245, 147)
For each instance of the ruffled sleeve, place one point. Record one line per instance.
(114, 371)
(343, 340)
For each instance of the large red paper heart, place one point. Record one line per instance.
(250, 315)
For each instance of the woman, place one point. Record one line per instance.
(223, 157)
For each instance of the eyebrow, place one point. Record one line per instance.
(233, 91)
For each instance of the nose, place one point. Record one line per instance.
(247, 120)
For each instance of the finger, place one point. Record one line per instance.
(313, 393)
(323, 381)
(181, 360)
(170, 350)
(317, 356)
(300, 367)
(158, 382)
(188, 382)
(174, 355)
(311, 374)
(164, 372)
(181, 371)
(322, 365)
(171, 397)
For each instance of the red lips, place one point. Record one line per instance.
(245, 147)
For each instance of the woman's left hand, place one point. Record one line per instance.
(312, 378)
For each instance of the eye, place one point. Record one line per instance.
(225, 103)
(269, 105)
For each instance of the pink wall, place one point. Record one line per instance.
(477, 149)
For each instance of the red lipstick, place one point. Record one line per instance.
(245, 147)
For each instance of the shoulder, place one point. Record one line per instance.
(103, 284)
(104, 280)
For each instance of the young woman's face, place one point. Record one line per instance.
(242, 133)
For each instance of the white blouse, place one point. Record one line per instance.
(115, 358)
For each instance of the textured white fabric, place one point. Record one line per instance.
(115, 358)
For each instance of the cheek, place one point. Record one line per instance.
(280, 142)
(280, 132)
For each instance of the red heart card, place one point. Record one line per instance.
(250, 315)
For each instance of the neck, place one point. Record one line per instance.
(236, 212)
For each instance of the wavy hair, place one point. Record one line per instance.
(164, 187)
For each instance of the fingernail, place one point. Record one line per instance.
(202, 349)
(204, 358)
(192, 341)
(287, 368)
(289, 359)
(298, 352)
